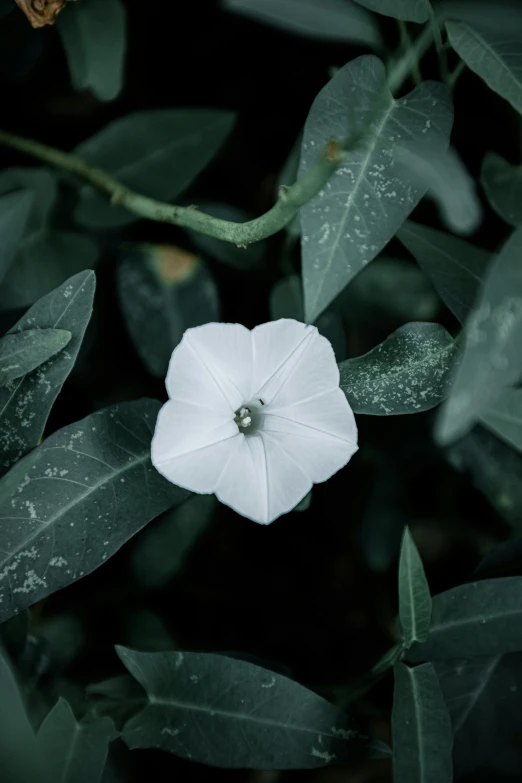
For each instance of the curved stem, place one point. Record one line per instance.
(286, 207)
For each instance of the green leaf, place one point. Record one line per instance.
(494, 469)
(502, 185)
(21, 761)
(394, 290)
(93, 34)
(26, 402)
(286, 301)
(74, 752)
(332, 20)
(478, 618)
(43, 263)
(456, 268)
(421, 727)
(157, 153)
(162, 549)
(41, 184)
(15, 209)
(407, 373)
(23, 352)
(483, 698)
(491, 357)
(365, 202)
(76, 499)
(163, 291)
(414, 594)
(228, 253)
(230, 713)
(407, 10)
(448, 182)
(504, 417)
(496, 56)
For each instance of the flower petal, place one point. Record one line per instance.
(199, 469)
(293, 362)
(217, 358)
(182, 428)
(277, 346)
(328, 415)
(262, 481)
(318, 453)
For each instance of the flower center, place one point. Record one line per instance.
(243, 418)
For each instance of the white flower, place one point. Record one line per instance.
(256, 417)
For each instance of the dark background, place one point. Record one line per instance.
(298, 595)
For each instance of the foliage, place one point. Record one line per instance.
(148, 632)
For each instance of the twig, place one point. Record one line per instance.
(289, 202)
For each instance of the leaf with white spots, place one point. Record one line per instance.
(25, 351)
(491, 357)
(421, 727)
(414, 594)
(477, 618)
(456, 268)
(407, 373)
(502, 185)
(231, 713)
(76, 499)
(407, 10)
(367, 198)
(332, 20)
(74, 752)
(493, 54)
(25, 403)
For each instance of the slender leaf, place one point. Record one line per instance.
(407, 373)
(74, 752)
(157, 153)
(407, 10)
(26, 402)
(43, 263)
(21, 760)
(491, 358)
(504, 417)
(414, 594)
(364, 204)
(421, 727)
(456, 268)
(93, 34)
(163, 291)
(334, 20)
(15, 209)
(478, 618)
(162, 549)
(502, 184)
(449, 185)
(75, 500)
(230, 713)
(495, 55)
(23, 352)
(483, 698)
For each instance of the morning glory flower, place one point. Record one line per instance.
(256, 417)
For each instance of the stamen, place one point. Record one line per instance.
(243, 417)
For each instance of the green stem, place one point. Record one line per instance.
(403, 67)
(406, 46)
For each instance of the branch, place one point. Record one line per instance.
(289, 202)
